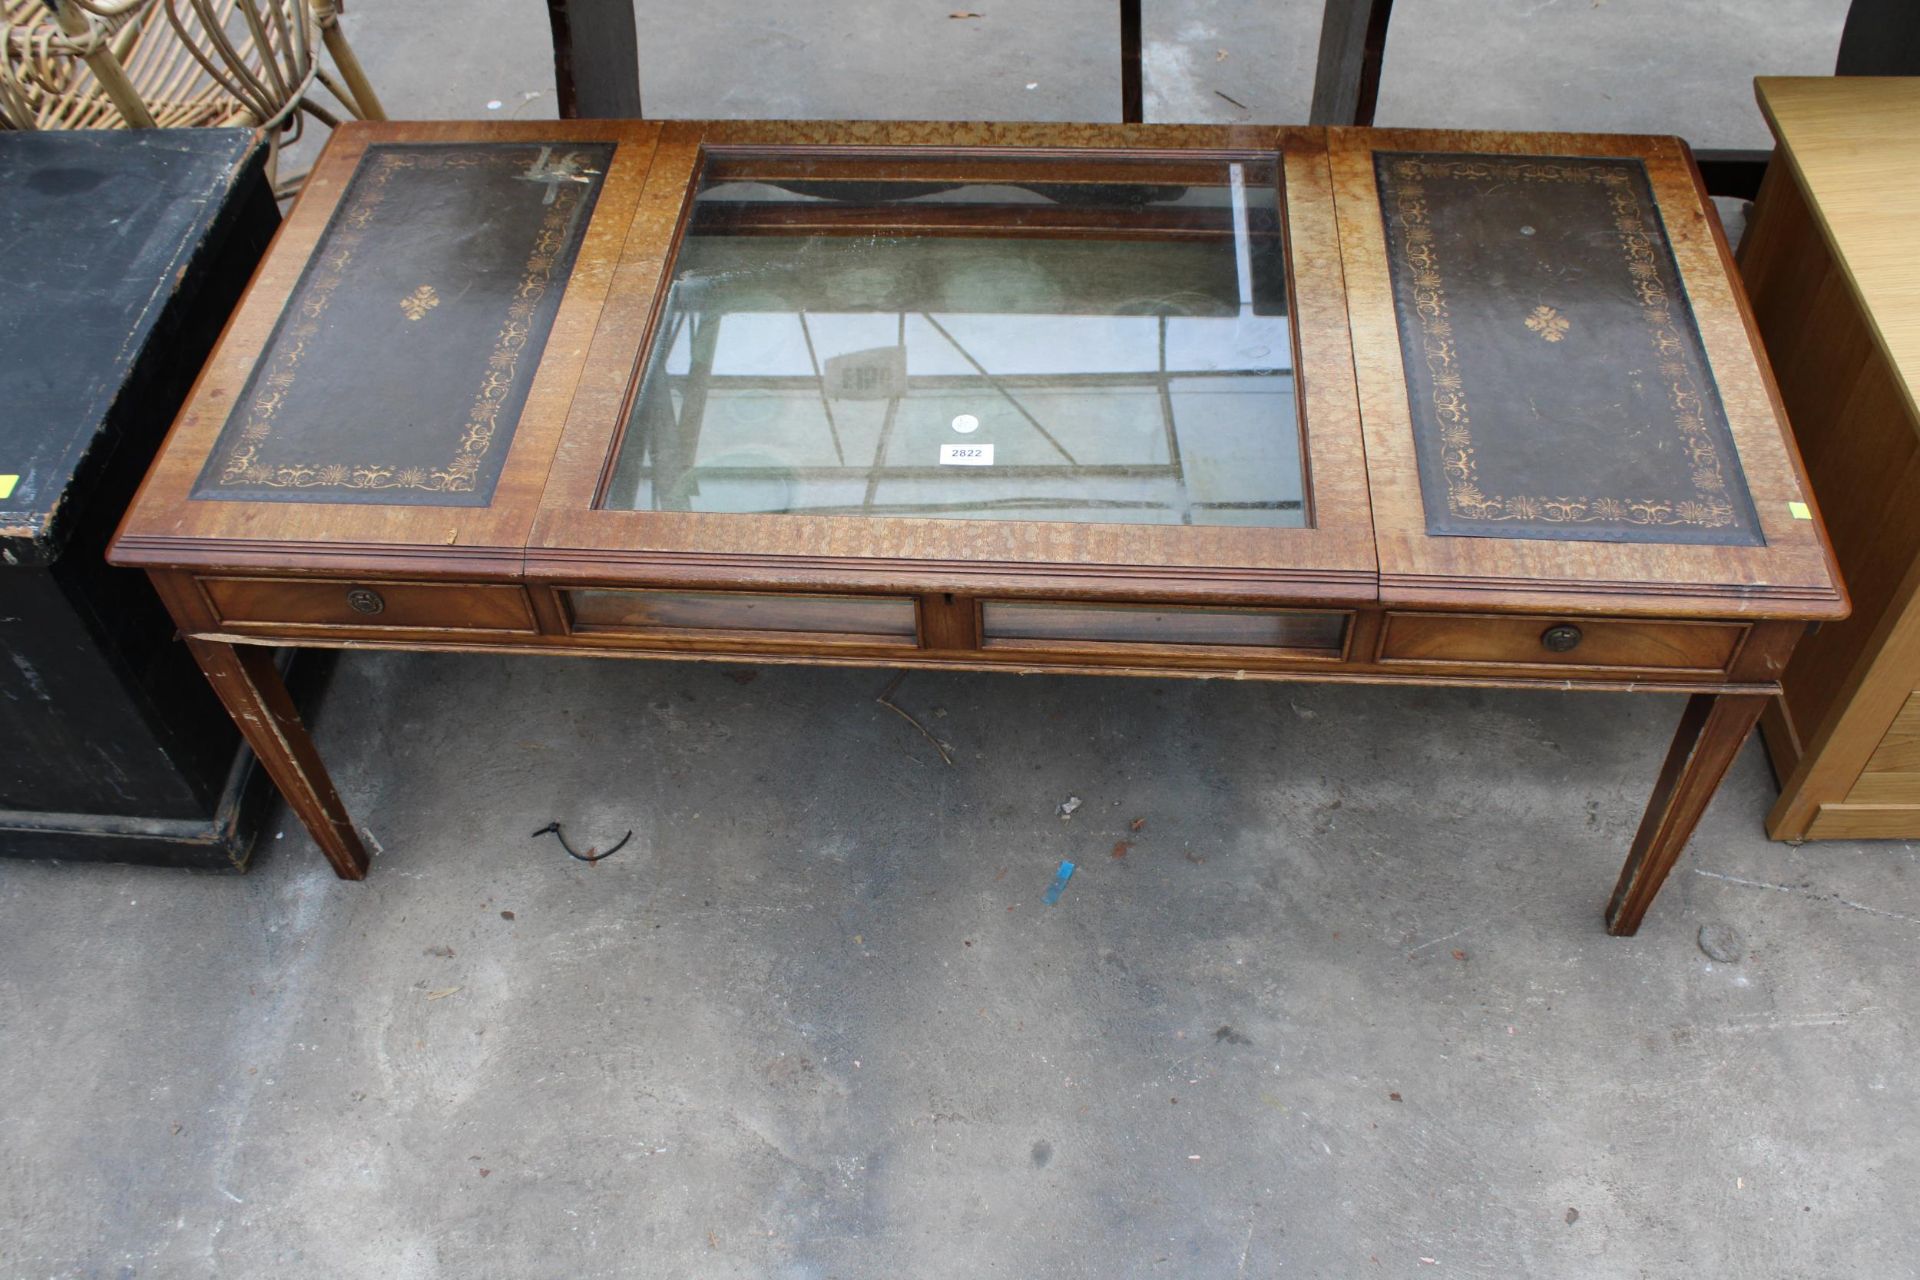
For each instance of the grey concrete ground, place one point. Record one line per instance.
(1656, 66)
(1343, 1008)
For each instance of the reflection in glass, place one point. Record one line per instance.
(1113, 349)
(875, 617)
(1005, 622)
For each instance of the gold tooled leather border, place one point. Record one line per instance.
(1714, 505)
(314, 296)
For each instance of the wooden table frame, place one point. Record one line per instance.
(1716, 622)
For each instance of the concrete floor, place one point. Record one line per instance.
(1650, 66)
(1343, 1008)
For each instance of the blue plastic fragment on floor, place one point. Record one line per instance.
(1059, 885)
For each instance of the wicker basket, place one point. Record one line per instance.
(108, 64)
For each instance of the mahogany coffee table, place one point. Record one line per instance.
(1258, 403)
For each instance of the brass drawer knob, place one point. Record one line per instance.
(1564, 638)
(365, 600)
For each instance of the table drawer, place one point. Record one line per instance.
(1507, 641)
(422, 606)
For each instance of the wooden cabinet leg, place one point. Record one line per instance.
(1711, 733)
(256, 697)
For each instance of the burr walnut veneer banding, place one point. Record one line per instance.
(1231, 402)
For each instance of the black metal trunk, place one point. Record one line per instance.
(125, 253)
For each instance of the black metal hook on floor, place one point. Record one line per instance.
(553, 829)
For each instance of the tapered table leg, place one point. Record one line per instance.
(1710, 735)
(256, 697)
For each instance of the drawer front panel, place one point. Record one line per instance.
(1025, 624)
(366, 605)
(873, 619)
(1619, 644)
(1892, 775)
(1899, 751)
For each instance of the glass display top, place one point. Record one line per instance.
(1093, 341)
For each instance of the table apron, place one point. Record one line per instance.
(1276, 640)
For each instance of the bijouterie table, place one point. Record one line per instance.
(1256, 403)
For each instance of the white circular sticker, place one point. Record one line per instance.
(966, 424)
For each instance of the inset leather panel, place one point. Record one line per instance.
(1555, 374)
(399, 368)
